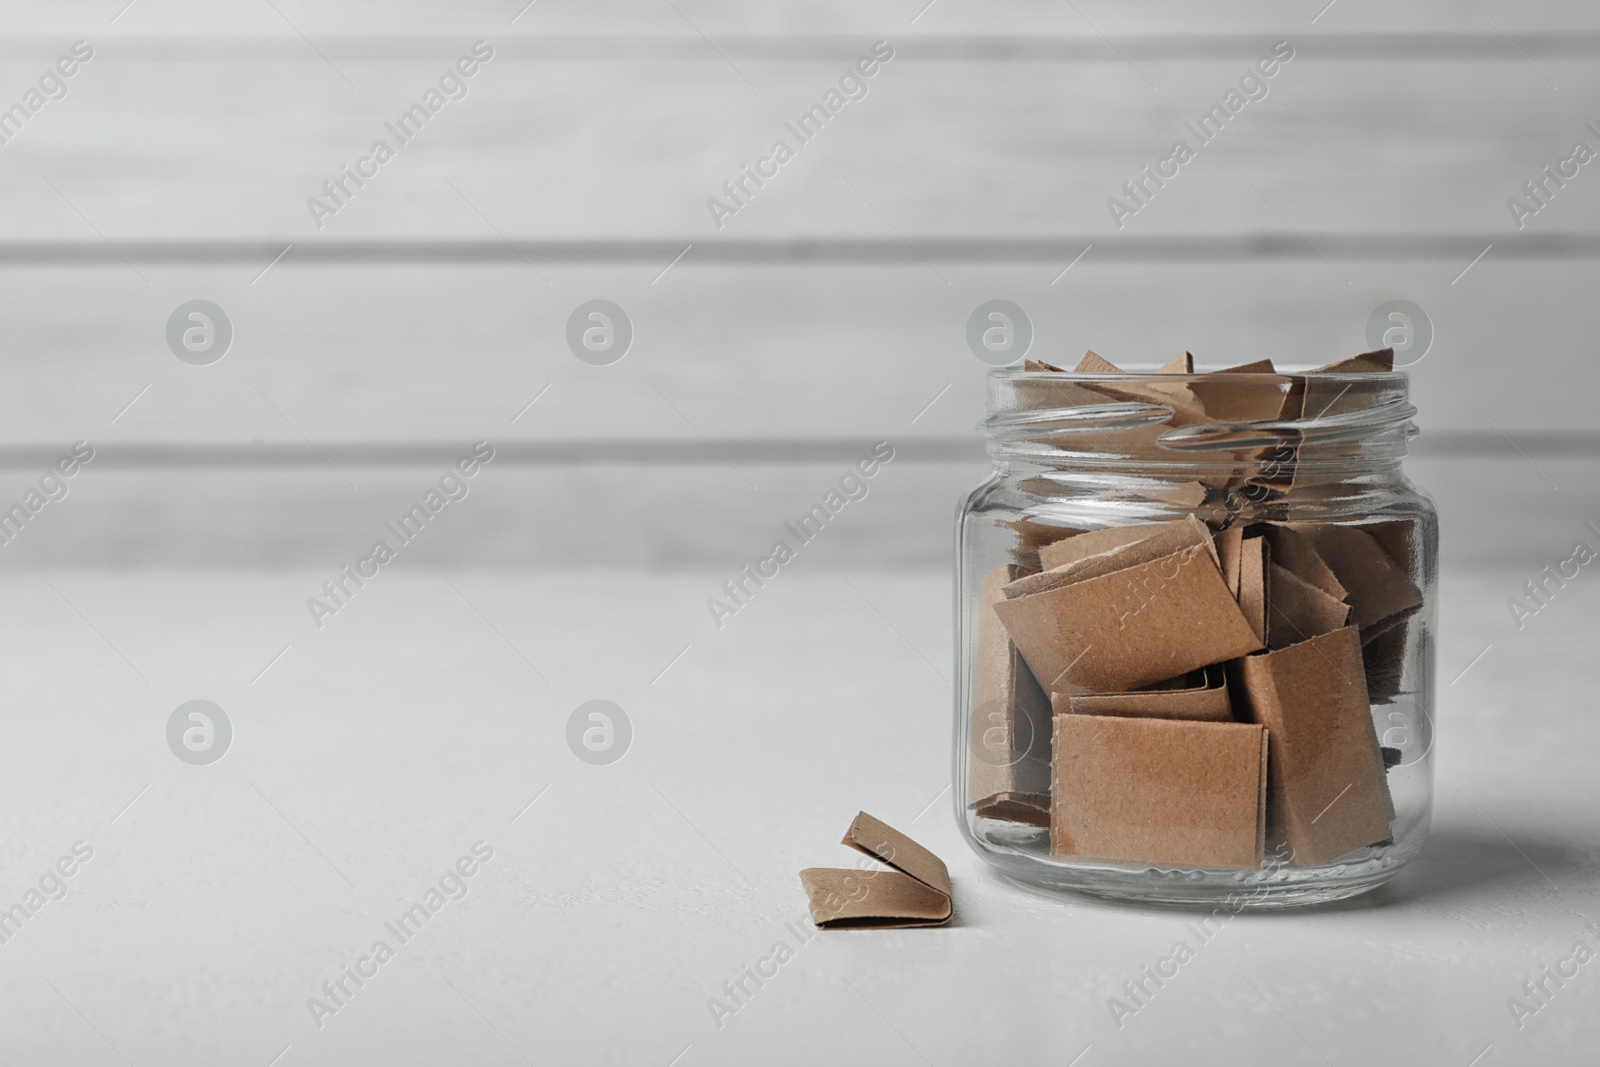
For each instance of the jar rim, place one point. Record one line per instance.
(1394, 377)
(1154, 420)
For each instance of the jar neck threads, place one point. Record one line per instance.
(1273, 427)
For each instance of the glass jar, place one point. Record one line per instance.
(1223, 693)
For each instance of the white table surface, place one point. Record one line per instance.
(379, 749)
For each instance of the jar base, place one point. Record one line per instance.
(1275, 886)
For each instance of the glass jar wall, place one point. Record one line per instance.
(1194, 652)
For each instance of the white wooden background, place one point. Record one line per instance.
(828, 312)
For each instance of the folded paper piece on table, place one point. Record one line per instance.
(1327, 792)
(915, 893)
(1159, 791)
(1134, 626)
(1200, 696)
(1008, 768)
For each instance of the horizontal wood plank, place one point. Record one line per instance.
(625, 515)
(715, 17)
(214, 150)
(449, 353)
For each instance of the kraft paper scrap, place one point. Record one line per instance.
(915, 893)
(1202, 696)
(1327, 791)
(1159, 791)
(1128, 629)
(1008, 769)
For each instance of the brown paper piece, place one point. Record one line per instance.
(1380, 361)
(915, 893)
(1383, 653)
(1384, 643)
(1030, 809)
(1159, 791)
(1143, 440)
(1062, 553)
(1254, 576)
(1326, 786)
(1009, 755)
(1297, 610)
(1092, 363)
(1324, 397)
(1229, 545)
(1056, 394)
(1130, 628)
(1158, 540)
(1186, 408)
(1178, 494)
(1168, 536)
(1033, 535)
(1295, 552)
(1202, 697)
(1192, 680)
(1260, 366)
(1248, 401)
(1386, 626)
(1377, 587)
(1270, 469)
(1036, 365)
(1398, 538)
(1182, 363)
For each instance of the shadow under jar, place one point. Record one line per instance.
(1195, 662)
